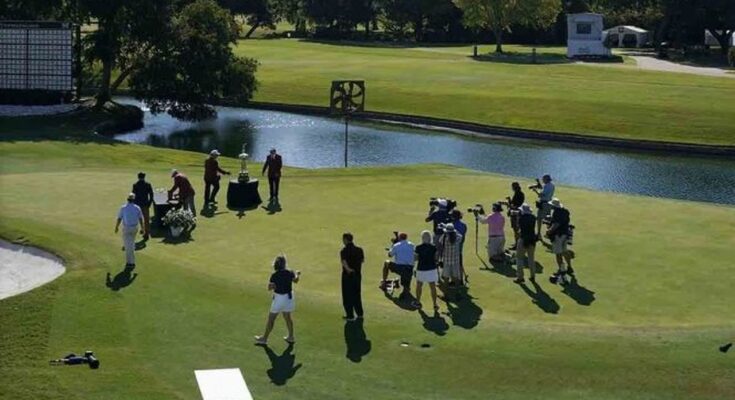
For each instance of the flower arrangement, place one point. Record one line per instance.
(179, 218)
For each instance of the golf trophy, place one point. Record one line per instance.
(244, 176)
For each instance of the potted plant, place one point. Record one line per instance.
(179, 220)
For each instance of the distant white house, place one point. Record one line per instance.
(626, 36)
(585, 37)
(710, 40)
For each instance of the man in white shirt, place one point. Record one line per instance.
(402, 252)
(543, 205)
(132, 219)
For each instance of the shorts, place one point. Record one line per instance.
(559, 245)
(496, 245)
(430, 276)
(283, 303)
(544, 211)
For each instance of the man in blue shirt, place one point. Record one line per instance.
(402, 252)
(544, 197)
(131, 218)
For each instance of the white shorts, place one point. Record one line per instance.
(559, 246)
(283, 303)
(431, 276)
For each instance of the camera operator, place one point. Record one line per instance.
(514, 204)
(495, 233)
(402, 252)
(438, 215)
(461, 228)
(545, 195)
(526, 245)
(559, 233)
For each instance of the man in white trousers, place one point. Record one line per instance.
(131, 217)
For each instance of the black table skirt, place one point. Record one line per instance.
(243, 195)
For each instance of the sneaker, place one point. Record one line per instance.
(520, 280)
(260, 340)
(289, 340)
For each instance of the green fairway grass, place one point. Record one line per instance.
(443, 81)
(654, 304)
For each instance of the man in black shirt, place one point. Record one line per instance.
(526, 245)
(559, 234)
(439, 216)
(514, 204)
(143, 199)
(352, 258)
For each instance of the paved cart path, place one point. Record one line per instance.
(655, 64)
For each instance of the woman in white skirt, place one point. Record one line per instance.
(426, 270)
(281, 283)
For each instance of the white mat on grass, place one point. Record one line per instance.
(222, 384)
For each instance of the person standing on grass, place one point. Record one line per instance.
(449, 248)
(144, 198)
(273, 163)
(514, 209)
(281, 283)
(185, 190)
(544, 197)
(526, 245)
(131, 217)
(495, 233)
(351, 258)
(212, 173)
(558, 233)
(461, 227)
(426, 270)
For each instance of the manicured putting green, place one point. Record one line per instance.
(655, 300)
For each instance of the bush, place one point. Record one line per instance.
(731, 57)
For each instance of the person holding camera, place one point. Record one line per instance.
(281, 283)
(438, 216)
(426, 269)
(449, 249)
(526, 244)
(514, 204)
(351, 258)
(559, 234)
(402, 252)
(545, 193)
(495, 232)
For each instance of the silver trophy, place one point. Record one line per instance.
(244, 175)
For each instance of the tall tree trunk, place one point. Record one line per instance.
(498, 40)
(103, 94)
(724, 39)
(252, 29)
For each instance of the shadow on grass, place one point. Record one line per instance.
(122, 280)
(241, 212)
(501, 268)
(540, 298)
(273, 207)
(436, 323)
(358, 346)
(460, 307)
(523, 58)
(210, 211)
(185, 237)
(381, 44)
(404, 302)
(579, 293)
(282, 366)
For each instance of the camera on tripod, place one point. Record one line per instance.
(477, 210)
(442, 202)
(537, 185)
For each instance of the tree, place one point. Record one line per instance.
(719, 18)
(196, 66)
(258, 13)
(500, 15)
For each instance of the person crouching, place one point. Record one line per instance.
(281, 283)
(402, 264)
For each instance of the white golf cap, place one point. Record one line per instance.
(131, 196)
(214, 153)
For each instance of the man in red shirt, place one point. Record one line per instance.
(212, 173)
(186, 191)
(273, 164)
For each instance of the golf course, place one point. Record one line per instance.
(652, 304)
(556, 95)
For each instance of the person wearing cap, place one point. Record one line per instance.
(559, 234)
(438, 216)
(185, 190)
(212, 173)
(131, 217)
(514, 204)
(449, 248)
(402, 252)
(144, 198)
(495, 232)
(526, 244)
(273, 163)
(544, 197)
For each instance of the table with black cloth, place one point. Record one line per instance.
(161, 205)
(243, 195)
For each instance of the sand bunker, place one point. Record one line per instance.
(23, 268)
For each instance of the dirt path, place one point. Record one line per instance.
(23, 268)
(655, 64)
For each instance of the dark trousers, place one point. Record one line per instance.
(273, 183)
(210, 191)
(352, 295)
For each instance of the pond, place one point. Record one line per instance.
(317, 142)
